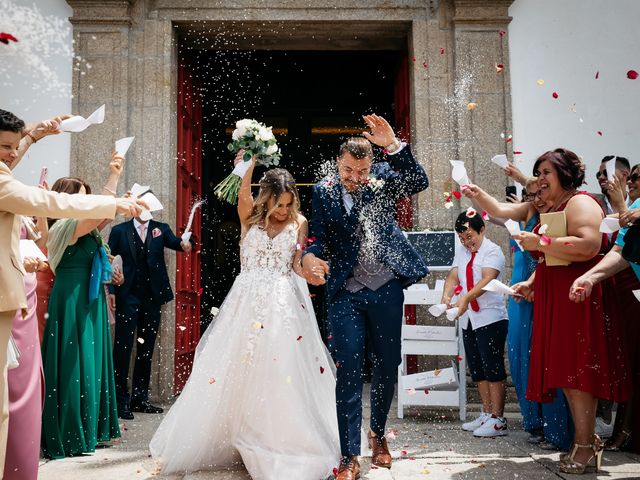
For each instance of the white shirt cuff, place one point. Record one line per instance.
(402, 145)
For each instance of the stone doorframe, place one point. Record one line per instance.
(131, 47)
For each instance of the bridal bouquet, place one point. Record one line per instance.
(255, 139)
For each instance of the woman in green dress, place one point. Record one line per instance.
(79, 403)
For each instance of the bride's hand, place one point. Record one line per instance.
(239, 158)
(314, 269)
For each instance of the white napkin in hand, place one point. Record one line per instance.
(144, 192)
(78, 123)
(501, 161)
(437, 310)
(609, 225)
(514, 228)
(452, 314)
(123, 145)
(459, 172)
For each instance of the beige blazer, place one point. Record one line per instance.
(17, 199)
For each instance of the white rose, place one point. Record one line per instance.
(271, 149)
(236, 135)
(264, 134)
(244, 124)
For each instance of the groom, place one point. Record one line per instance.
(371, 261)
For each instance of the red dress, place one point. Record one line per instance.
(575, 345)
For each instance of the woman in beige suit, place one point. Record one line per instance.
(18, 199)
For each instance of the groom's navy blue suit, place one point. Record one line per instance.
(372, 314)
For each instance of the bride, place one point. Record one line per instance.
(262, 388)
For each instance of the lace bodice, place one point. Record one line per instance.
(260, 253)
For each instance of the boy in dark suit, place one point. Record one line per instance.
(137, 304)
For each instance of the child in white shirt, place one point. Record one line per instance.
(484, 319)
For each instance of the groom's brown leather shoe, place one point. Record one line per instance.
(349, 469)
(380, 451)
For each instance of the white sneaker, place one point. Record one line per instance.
(603, 429)
(492, 427)
(472, 425)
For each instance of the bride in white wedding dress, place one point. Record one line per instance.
(262, 388)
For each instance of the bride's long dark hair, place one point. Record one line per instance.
(273, 184)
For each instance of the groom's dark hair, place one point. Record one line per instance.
(358, 147)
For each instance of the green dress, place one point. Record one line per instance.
(80, 403)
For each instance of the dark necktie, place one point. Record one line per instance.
(474, 303)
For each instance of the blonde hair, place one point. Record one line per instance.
(273, 184)
(530, 181)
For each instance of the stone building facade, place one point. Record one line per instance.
(453, 48)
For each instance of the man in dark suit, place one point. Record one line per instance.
(137, 304)
(353, 229)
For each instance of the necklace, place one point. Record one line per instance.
(565, 198)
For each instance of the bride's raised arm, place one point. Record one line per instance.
(245, 199)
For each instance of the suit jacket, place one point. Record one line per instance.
(121, 242)
(17, 199)
(337, 239)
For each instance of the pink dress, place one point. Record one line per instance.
(26, 384)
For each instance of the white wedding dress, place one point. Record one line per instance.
(262, 388)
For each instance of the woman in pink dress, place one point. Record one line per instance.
(25, 383)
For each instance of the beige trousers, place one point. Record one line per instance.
(6, 320)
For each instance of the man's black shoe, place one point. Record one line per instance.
(124, 412)
(145, 407)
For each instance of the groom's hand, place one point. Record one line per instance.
(314, 269)
(381, 132)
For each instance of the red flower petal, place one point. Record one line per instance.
(426, 392)
(599, 133)
(499, 67)
(321, 369)
(597, 74)
(458, 195)
(329, 337)
(554, 94)
(508, 139)
(485, 216)
(335, 471)
(516, 152)
(457, 290)
(200, 290)
(441, 51)
(502, 33)
(299, 338)
(5, 37)
(447, 199)
(459, 358)
(403, 452)
(471, 212)
(413, 59)
(425, 64)
(632, 74)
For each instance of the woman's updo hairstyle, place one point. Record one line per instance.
(569, 167)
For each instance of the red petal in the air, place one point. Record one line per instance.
(599, 133)
(632, 74)
(554, 94)
(502, 33)
(458, 195)
(597, 74)
(441, 51)
(517, 152)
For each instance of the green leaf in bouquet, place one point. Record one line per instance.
(231, 147)
(247, 156)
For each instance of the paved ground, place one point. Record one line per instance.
(429, 445)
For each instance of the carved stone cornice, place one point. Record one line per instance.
(100, 12)
(482, 12)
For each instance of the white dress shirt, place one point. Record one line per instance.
(142, 232)
(492, 304)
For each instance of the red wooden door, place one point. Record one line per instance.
(189, 113)
(402, 119)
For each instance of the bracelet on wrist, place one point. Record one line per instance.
(392, 147)
(33, 139)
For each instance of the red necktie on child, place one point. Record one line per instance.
(474, 303)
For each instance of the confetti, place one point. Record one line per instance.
(413, 59)
(140, 340)
(329, 337)
(425, 64)
(632, 75)
(457, 290)
(517, 152)
(540, 82)
(212, 381)
(403, 452)
(545, 240)
(459, 358)
(299, 338)
(485, 216)
(600, 132)
(554, 94)
(214, 311)
(470, 212)
(182, 328)
(499, 67)
(257, 325)
(426, 392)
(200, 290)
(458, 195)
(502, 33)
(5, 37)
(472, 106)
(441, 51)
(321, 369)
(597, 74)
(448, 205)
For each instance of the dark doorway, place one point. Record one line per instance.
(313, 99)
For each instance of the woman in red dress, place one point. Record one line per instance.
(574, 346)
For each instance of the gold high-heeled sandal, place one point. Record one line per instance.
(569, 465)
